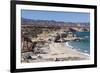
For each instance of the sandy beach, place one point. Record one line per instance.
(57, 52)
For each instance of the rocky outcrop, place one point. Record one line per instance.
(38, 47)
(27, 44)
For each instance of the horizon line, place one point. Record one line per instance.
(53, 20)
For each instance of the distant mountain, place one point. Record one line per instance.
(48, 23)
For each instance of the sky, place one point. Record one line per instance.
(56, 16)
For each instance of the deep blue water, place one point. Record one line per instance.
(84, 44)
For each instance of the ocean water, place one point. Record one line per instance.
(83, 45)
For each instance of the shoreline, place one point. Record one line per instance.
(58, 52)
(69, 51)
(74, 49)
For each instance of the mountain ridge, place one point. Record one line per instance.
(25, 21)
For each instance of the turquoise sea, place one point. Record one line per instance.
(82, 45)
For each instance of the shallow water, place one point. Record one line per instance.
(83, 45)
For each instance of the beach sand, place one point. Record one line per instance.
(58, 52)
